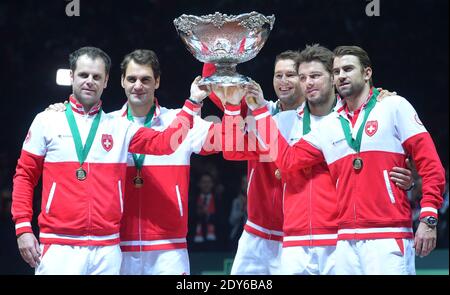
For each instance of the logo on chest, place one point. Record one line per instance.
(107, 142)
(371, 127)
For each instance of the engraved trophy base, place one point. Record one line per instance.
(225, 75)
(225, 81)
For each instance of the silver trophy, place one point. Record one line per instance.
(225, 41)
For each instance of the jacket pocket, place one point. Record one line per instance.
(388, 186)
(50, 197)
(119, 184)
(180, 204)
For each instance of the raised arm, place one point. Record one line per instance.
(286, 157)
(150, 141)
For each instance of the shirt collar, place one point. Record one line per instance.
(342, 107)
(78, 107)
(124, 109)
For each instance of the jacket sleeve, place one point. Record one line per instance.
(287, 158)
(419, 144)
(238, 145)
(213, 140)
(28, 171)
(150, 141)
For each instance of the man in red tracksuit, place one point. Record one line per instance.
(360, 141)
(309, 212)
(260, 244)
(155, 220)
(82, 156)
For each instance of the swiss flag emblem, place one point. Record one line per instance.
(371, 127)
(107, 142)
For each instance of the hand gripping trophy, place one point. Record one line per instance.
(225, 41)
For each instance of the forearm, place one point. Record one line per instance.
(28, 171)
(237, 145)
(429, 167)
(150, 141)
(286, 157)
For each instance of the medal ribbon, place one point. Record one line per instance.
(82, 152)
(139, 159)
(355, 144)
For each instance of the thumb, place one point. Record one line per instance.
(36, 246)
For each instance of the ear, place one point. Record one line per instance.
(106, 81)
(367, 74)
(71, 77)
(122, 79)
(157, 82)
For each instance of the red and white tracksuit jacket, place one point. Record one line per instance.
(264, 190)
(155, 216)
(83, 213)
(309, 201)
(369, 205)
(307, 206)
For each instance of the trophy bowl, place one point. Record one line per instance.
(225, 41)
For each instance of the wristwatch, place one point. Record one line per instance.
(195, 102)
(430, 221)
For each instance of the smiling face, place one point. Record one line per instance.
(139, 83)
(88, 80)
(316, 82)
(285, 82)
(349, 75)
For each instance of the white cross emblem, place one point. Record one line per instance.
(107, 143)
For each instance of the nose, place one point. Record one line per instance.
(90, 79)
(138, 84)
(284, 78)
(341, 74)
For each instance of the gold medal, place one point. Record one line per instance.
(138, 180)
(278, 174)
(357, 163)
(80, 174)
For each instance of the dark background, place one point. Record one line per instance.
(408, 45)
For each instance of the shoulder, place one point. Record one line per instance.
(47, 117)
(117, 113)
(285, 115)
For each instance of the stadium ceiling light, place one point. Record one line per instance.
(63, 77)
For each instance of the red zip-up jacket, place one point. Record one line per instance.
(87, 212)
(369, 205)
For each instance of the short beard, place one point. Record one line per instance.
(85, 102)
(352, 91)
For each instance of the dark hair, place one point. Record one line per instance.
(317, 53)
(288, 54)
(357, 51)
(91, 52)
(142, 57)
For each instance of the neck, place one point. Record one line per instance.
(356, 101)
(324, 108)
(286, 106)
(140, 110)
(86, 106)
